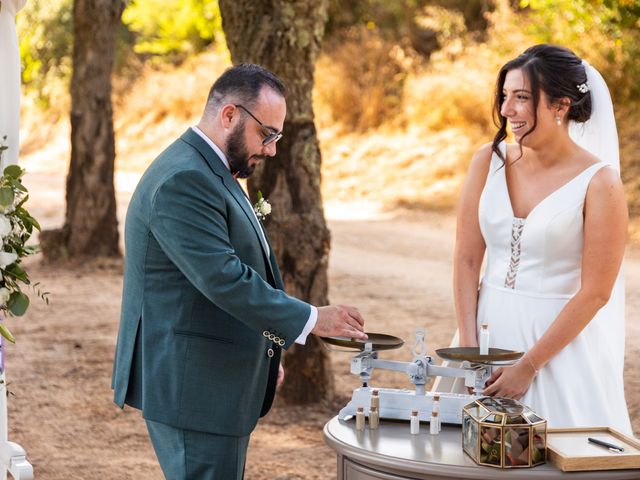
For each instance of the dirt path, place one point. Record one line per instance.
(396, 269)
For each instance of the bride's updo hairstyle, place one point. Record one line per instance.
(558, 72)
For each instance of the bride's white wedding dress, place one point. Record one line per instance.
(533, 268)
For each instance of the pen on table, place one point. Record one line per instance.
(612, 447)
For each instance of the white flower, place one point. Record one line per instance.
(7, 258)
(265, 208)
(4, 295)
(262, 208)
(5, 226)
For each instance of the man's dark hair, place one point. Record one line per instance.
(242, 83)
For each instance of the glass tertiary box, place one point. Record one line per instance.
(503, 433)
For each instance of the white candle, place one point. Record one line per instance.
(484, 339)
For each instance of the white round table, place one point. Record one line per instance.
(392, 453)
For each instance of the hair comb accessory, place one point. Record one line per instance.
(583, 87)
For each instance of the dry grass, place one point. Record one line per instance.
(359, 81)
(415, 155)
(406, 168)
(629, 134)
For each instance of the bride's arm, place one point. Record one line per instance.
(605, 233)
(470, 247)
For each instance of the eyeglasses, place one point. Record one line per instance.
(270, 135)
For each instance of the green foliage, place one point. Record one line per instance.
(605, 32)
(172, 26)
(388, 16)
(423, 26)
(16, 227)
(46, 42)
(6, 333)
(18, 303)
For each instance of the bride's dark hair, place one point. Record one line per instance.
(558, 72)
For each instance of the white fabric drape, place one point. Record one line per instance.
(9, 80)
(599, 134)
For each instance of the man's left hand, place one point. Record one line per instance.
(280, 376)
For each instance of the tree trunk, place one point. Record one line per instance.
(285, 36)
(91, 225)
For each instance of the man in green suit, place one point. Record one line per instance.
(204, 315)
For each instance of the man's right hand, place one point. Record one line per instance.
(339, 321)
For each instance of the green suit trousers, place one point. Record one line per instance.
(192, 455)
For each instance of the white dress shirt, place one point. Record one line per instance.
(313, 315)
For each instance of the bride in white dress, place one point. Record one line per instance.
(552, 219)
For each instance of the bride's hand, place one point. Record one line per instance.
(510, 382)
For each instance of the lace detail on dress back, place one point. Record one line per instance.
(514, 262)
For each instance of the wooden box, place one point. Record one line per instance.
(569, 450)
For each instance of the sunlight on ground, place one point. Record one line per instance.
(357, 210)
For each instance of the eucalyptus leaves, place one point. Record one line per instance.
(16, 226)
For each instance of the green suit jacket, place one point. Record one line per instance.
(202, 303)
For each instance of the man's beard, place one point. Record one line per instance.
(238, 154)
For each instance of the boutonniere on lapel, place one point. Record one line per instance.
(262, 207)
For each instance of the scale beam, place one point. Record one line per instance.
(397, 403)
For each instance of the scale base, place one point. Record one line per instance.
(397, 404)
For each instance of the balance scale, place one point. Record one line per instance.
(399, 403)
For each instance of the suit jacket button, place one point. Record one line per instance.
(270, 353)
(281, 342)
(271, 337)
(266, 333)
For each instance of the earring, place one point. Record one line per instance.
(558, 120)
